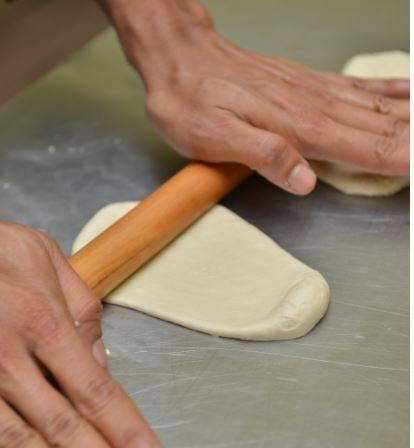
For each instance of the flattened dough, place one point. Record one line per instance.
(392, 64)
(222, 276)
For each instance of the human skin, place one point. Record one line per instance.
(50, 322)
(213, 101)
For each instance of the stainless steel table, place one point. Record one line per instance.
(78, 139)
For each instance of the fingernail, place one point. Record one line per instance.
(301, 179)
(99, 353)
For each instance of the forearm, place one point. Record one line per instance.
(151, 30)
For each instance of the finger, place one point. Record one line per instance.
(96, 396)
(320, 137)
(388, 97)
(84, 306)
(366, 120)
(392, 87)
(14, 432)
(340, 111)
(247, 128)
(234, 140)
(360, 149)
(46, 409)
(399, 108)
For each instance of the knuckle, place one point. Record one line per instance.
(197, 138)
(9, 379)
(317, 120)
(293, 79)
(91, 311)
(16, 435)
(212, 127)
(220, 119)
(97, 395)
(207, 126)
(200, 128)
(47, 326)
(381, 105)
(312, 126)
(61, 426)
(47, 239)
(357, 83)
(273, 152)
(385, 149)
(396, 127)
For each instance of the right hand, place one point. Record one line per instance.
(41, 298)
(226, 104)
(214, 101)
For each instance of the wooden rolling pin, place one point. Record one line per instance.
(130, 242)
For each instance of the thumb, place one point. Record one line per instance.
(268, 153)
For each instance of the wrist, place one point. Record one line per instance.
(164, 56)
(156, 35)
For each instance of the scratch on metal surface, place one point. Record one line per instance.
(371, 308)
(201, 372)
(395, 332)
(284, 355)
(290, 380)
(356, 345)
(327, 361)
(178, 354)
(366, 218)
(253, 442)
(171, 425)
(157, 386)
(119, 375)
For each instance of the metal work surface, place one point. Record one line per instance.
(78, 139)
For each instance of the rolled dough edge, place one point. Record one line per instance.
(302, 307)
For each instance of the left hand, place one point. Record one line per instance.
(50, 322)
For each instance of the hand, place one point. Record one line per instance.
(49, 322)
(214, 101)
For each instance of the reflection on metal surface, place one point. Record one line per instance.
(346, 383)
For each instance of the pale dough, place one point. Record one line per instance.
(392, 64)
(222, 276)
(357, 183)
